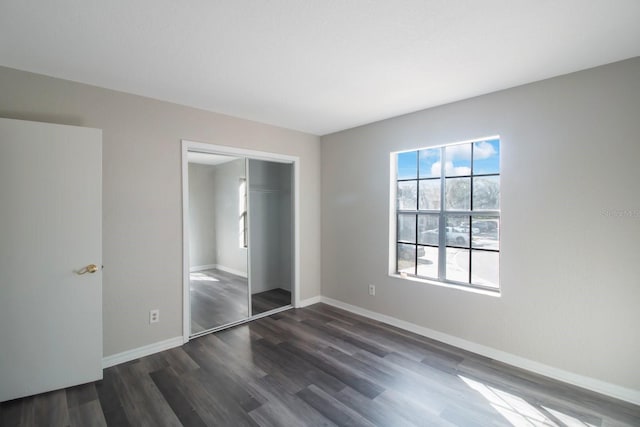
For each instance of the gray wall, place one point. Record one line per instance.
(202, 219)
(570, 267)
(142, 207)
(270, 220)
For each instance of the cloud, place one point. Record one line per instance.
(483, 150)
(432, 153)
(450, 169)
(459, 152)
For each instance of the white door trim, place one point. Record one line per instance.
(202, 147)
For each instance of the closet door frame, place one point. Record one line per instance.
(202, 147)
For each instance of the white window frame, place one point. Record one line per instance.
(442, 214)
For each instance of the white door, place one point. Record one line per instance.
(50, 231)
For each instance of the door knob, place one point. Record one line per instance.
(91, 268)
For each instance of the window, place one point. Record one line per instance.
(448, 218)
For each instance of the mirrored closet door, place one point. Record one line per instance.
(240, 239)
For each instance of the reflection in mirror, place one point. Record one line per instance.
(270, 234)
(217, 241)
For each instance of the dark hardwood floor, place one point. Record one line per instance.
(318, 366)
(219, 298)
(269, 300)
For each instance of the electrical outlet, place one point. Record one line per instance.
(372, 290)
(154, 316)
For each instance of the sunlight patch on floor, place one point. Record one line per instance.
(202, 277)
(518, 411)
(568, 419)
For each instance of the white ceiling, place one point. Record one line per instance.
(318, 66)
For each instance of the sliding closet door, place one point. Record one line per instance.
(270, 235)
(218, 276)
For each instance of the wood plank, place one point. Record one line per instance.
(141, 400)
(341, 373)
(165, 380)
(332, 408)
(413, 410)
(52, 406)
(87, 414)
(374, 410)
(110, 400)
(18, 412)
(318, 366)
(81, 394)
(284, 408)
(214, 409)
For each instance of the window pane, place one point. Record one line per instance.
(485, 232)
(430, 163)
(458, 193)
(406, 258)
(408, 165)
(428, 229)
(428, 262)
(407, 228)
(457, 229)
(458, 160)
(429, 194)
(486, 193)
(485, 268)
(486, 157)
(408, 195)
(457, 265)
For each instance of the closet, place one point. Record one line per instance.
(239, 252)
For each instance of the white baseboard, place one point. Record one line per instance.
(602, 387)
(136, 353)
(309, 301)
(196, 268)
(232, 271)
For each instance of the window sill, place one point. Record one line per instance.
(471, 289)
